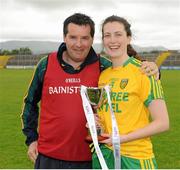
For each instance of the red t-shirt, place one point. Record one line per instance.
(62, 128)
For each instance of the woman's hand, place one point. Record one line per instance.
(107, 141)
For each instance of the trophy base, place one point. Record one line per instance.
(100, 138)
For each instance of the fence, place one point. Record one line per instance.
(24, 61)
(171, 62)
(28, 61)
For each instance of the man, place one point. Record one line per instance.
(60, 139)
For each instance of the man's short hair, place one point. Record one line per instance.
(79, 19)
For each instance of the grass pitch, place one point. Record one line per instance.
(13, 86)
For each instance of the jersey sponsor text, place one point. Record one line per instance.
(64, 90)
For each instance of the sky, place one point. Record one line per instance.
(153, 22)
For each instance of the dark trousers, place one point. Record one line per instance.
(44, 162)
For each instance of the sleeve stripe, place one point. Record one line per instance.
(26, 94)
(44, 61)
(153, 88)
(159, 90)
(156, 88)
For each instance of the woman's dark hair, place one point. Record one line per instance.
(121, 20)
(79, 19)
(130, 50)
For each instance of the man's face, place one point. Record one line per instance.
(78, 42)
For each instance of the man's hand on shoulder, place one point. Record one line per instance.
(150, 68)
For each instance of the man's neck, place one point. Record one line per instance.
(68, 60)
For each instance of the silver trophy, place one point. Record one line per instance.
(93, 98)
(96, 97)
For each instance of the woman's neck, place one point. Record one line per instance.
(119, 61)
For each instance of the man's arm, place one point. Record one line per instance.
(147, 67)
(104, 63)
(30, 111)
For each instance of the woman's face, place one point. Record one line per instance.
(115, 39)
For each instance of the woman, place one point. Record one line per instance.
(134, 96)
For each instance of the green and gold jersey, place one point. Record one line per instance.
(131, 93)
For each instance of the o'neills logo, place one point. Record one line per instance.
(64, 89)
(73, 80)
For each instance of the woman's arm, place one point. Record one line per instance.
(159, 123)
